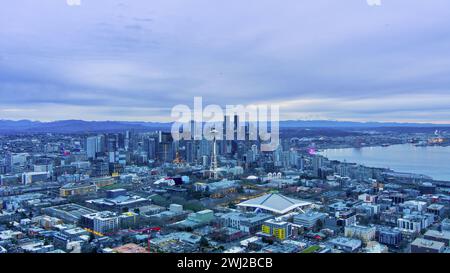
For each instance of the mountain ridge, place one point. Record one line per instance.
(77, 126)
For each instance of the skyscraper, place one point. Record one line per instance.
(165, 147)
(94, 145)
(150, 147)
(190, 151)
(214, 164)
(317, 164)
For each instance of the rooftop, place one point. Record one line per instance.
(250, 217)
(275, 202)
(72, 210)
(344, 241)
(438, 234)
(420, 242)
(310, 215)
(130, 248)
(103, 215)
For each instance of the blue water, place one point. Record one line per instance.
(433, 161)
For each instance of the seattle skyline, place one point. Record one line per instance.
(131, 61)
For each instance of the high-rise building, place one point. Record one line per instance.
(204, 148)
(100, 168)
(100, 144)
(278, 156)
(119, 156)
(317, 164)
(91, 147)
(254, 153)
(301, 163)
(95, 145)
(112, 143)
(190, 151)
(225, 144)
(166, 150)
(214, 163)
(16, 159)
(127, 139)
(234, 141)
(150, 148)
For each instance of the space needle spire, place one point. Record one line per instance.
(214, 165)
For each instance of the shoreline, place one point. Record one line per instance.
(429, 177)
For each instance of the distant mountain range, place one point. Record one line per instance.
(76, 126)
(352, 124)
(81, 126)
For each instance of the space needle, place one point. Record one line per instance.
(213, 174)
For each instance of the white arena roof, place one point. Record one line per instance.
(275, 202)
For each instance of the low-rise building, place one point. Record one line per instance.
(37, 247)
(218, 189)
(389, 236)
(436, 209)
(445, 224)
(196, 219)
(375, 247)
(31, 177)
(69, 213)
(101, 182)
(130, 248)
(414, 223)
(72, 189)
(360, 232)
(278, 229)
(421, 245)
(309, 219)
(118, 202)
(46, 221)
(346, 244)
(440, 236)
(101, 222)
(246, 222)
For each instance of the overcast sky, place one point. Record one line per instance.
(136, 59)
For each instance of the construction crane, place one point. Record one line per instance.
(149, 232)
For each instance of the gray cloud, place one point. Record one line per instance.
(319, 59)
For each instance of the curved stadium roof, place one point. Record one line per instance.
(275, 202)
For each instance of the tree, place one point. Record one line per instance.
(319, 224)
(91, 237)
(189, 229)
(203, 242)
(267, 240)
(194, 206)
